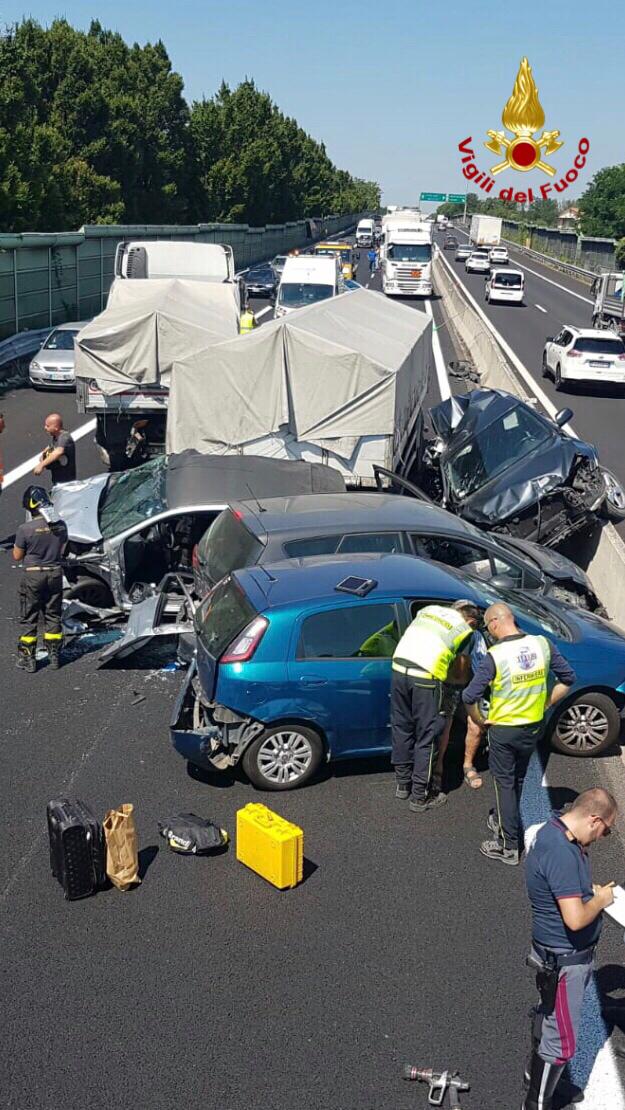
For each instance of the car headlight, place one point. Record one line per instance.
(34, 365)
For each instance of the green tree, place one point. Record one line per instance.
(602, 206)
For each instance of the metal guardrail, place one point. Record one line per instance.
(20, 345)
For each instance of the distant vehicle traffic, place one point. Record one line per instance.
(609, 307)
(278, 263)
(505, 287)
(306, 280)
(477, 262)
(462, 252)
(504, 466)
(365, 233)
(261, 281)
(53, 365)
(450, 243)
(344, 251)
(252, 533)
(584, 355)
(485, 231)
(293, 664)
(499, 256)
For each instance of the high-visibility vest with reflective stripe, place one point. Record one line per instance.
(247, 322)
(433, 640)
(518, 692)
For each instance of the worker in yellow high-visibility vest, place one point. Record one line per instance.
(516, 668)
(420, 666)
(248, 321)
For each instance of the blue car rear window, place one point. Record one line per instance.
(350, 632)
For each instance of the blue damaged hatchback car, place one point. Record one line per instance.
(293, 663)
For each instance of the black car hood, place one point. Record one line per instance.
(525, 481)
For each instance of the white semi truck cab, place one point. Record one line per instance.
(406, 254)
(173, 259)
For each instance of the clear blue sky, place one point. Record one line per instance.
(391, 88)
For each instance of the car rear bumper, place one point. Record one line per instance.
(592, 374)
(199, 737)
(505, 298)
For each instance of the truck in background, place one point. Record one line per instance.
(609, 307)
(307, 279)
(365, 233)
(130, 425)
(485, 231)
(406, 254)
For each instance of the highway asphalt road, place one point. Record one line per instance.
(207, 989)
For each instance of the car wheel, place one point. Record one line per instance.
(91, 591)
(557, 378)
(586, 726)
(614, 505)
(545, 368)
(283, 757)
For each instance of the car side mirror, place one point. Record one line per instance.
(563, 416)
(549, 339)
(504, 582)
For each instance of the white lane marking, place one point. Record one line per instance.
(540, 308)
(25, 467)
(507, 349)
(549, 281)
(604, 1083)
(439, 361)
(263, 311)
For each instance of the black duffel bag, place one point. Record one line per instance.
(192, 835)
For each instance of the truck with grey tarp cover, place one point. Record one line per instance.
(609, 306)
(342, 382)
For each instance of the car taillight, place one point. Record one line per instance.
(621, 358)
(195, 561)
(575, 354)
(245, 645)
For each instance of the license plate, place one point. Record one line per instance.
(58, 377)
(601, 365)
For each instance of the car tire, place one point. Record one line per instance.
(546, 372)
(588, 725)
(557, 379)
(91, 591)
(306, 755)
(614, 505)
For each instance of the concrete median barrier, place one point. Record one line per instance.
(602, 553)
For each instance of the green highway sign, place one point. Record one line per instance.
(434, 196)
(456, 198)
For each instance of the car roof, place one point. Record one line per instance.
(195, 479)
(506, 270)
(70, 325)
(314, 579)
(325, 513)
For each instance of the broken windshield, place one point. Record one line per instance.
(133, 496)
(509, 438)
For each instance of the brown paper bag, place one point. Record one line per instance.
(122, 857)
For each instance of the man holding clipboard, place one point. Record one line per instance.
(566, 925)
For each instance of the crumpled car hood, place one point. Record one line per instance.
(558, 567)
(527, 480)
(77, 504)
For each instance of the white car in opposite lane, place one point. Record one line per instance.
(499, 256)
(53, 365)
(478, 262)
(584, 355)
(504, 287)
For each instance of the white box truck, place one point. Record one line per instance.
(485, 231)
(406, 255)
(147, 259)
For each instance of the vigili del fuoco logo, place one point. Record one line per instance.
(523, 149)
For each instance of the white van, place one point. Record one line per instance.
(306, 279)
(505, 286)
(365, 233)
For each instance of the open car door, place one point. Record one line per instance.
(403, 484)
(147, 619)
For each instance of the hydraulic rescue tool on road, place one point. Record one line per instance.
(438, 1083)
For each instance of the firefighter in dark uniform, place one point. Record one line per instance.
(39, 545)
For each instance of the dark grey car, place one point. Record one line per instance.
(271, 529)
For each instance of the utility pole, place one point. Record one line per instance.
(466, 196)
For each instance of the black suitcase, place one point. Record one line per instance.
(77, 847)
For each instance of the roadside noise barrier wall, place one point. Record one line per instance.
(566, 246)
(602, 553)
(50, 278)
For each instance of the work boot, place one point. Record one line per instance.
(420, 805)
(543, 1082)
(494, 849)
(54, 656)
(27, 658)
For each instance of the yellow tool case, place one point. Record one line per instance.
(269, 845)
